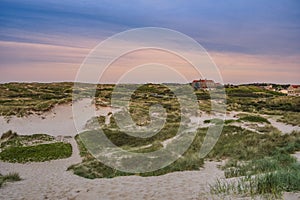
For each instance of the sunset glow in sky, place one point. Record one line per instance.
(250, 41)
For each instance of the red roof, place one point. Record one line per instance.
(295, 86)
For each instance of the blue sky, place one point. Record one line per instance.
(43, 38)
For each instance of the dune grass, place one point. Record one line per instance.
(21, 99)
(270, 185)
(270, 172)
(292, 118)
(10, 177)
(92, 168)
(258, 100)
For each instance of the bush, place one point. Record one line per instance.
(8, 135)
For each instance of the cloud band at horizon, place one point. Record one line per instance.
(250, 41)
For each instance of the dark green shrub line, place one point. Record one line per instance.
(254, 118)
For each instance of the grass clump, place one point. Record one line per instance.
(270, 185)
(11, 177)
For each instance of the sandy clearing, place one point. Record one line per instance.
(58, 121)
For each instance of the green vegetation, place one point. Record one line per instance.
(256, 99)
(36, 153)
(241, 144)
(290, 118)
(254, 118)
(11, 177)
(23, 99)
(33, 148)
(269, 176)
(12, 139)
(92, 168)
(260, 170)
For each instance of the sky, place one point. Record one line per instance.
(249, 41)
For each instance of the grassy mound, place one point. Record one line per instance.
(32, 148)
(37, 153)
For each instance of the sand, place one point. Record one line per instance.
(58, 121)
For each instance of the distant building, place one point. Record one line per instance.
(269, 87)
(284, 91)
(293, 90)
(205, 84)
